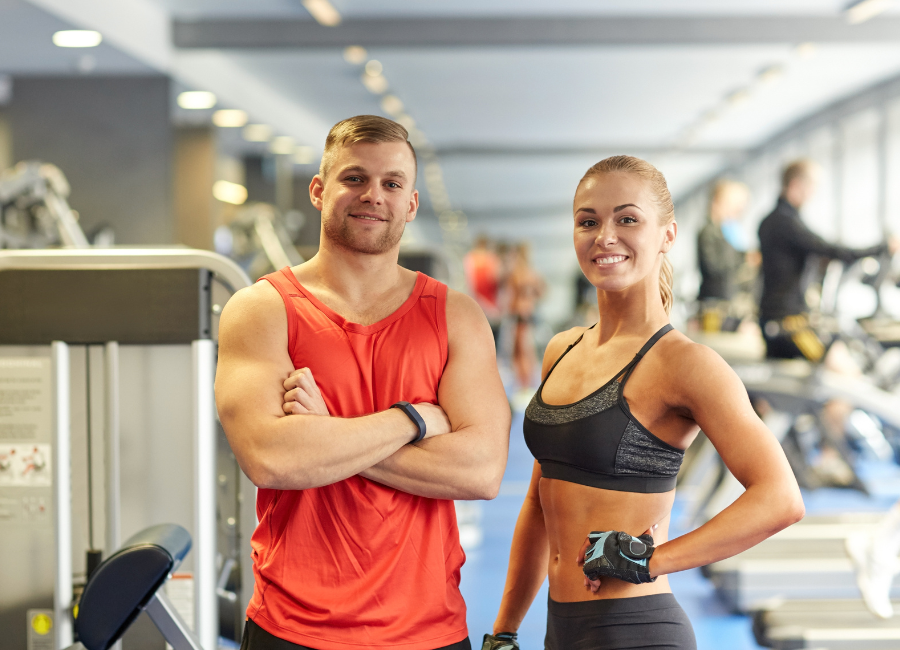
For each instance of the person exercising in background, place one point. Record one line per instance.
(785, 243)
(361, 398)
(720, 254)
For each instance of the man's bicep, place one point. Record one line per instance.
(471, 392)
(253, 360)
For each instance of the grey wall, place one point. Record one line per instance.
(112, 138)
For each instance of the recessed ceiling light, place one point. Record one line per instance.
(196, 99)
(771, 73)
(77, 38)
(257, 133)
(377, 85)
(229, 117)
(355, 54)
(228, 192)
(806, 50)
(738, 97)
(304, 155)
(374, 68)
(323, 11)
(406, 121)
(283, 144)
(391, 105)
(860, 11)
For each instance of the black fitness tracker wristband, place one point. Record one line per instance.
(413, 415)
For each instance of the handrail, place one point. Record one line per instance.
(225, 270)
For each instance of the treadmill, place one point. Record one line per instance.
(843, 624)
(805, 561)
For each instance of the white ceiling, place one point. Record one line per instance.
(603, 99)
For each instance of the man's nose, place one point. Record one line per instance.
(373, 193)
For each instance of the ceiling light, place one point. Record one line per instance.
(406, 121)
(229, 117)
(374, 68)
(196, 99)
(806, 50)
(257, 133)
(77, 38)
(738, 97)
(304, 155)
(323, 11)
(283, 145)
(228, 192)
(391, 105)
(355, 54)
(377, 85)
(860, 11)
(771, 73)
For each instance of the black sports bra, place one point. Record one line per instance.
(597, 442)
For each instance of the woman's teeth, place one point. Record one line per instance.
(610, 260)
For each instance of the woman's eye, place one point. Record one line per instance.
(588, 223)
(629, 220)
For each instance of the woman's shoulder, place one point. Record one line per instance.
(561, 341)
(687, 362)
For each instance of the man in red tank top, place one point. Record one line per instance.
(357, 544)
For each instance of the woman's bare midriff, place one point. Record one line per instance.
(571, 511)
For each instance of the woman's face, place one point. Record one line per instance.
(618, 236)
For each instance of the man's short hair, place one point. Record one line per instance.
(802, 168)
(362, 128)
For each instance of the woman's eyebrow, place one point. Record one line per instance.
(627, 205)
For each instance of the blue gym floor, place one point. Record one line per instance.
(484, 573)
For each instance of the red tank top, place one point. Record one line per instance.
(357, 564)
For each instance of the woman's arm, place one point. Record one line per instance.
(528, 559)
(717, 400)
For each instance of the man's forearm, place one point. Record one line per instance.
(464, 464)
(297, 452)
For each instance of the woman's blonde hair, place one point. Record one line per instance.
(661, 196)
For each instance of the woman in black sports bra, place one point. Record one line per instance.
(619, 403)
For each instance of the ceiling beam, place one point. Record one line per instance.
(501, 150)
(530, 31)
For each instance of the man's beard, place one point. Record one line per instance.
(340, 233)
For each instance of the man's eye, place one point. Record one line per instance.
(353, 179)
(392, 184)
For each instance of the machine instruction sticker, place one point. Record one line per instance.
(25, 399)
(26, 465)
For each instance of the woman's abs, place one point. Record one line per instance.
(571, 511)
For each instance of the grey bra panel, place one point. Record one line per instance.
(641, 453)
(591, 405)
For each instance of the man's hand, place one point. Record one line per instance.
(302, 396)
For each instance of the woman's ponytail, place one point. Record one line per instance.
(666, 278)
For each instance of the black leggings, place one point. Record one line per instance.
(256, 638)
(646, 622)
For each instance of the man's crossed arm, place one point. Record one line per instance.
(309, 450)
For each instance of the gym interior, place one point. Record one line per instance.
(155, 159)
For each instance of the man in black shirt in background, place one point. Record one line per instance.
(785, 243)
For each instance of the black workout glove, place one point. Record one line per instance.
(502, 641)
(619, 555)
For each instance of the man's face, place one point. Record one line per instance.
(804, 187)
(368, 196)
